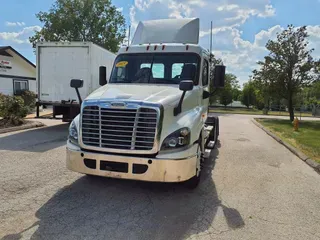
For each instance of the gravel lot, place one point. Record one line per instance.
(252, 188)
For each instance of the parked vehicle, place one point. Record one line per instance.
(57, 63)
(150, 121)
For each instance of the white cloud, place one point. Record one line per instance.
(269, 11)
(263, 36)
(143, 4)
(21, 36)
(200, 3)
(179, 10)
(14, 24)
(132, 16)
(120, 9)
(314, 40)
(227, 7)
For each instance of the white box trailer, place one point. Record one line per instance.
(58, 63)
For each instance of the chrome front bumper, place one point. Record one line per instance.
(150, 169)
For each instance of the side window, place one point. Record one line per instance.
(205, 73)
(157, 69)
(176, 69)
(20, 85)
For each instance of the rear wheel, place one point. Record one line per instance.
(194, 181)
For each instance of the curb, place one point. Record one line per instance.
(23, 127)
(292, 149)
(33, 116)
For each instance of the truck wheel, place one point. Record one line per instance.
(194, 181)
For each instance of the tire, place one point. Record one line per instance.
(195, 180)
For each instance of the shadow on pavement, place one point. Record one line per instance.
(36, 140)
(101, 208)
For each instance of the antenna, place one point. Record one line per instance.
(211, 42)
(129, 35)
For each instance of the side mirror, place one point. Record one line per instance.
(186, 85)
(76, 83)
(102, 75)
(219, 74)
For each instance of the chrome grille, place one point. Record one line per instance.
(126, 129)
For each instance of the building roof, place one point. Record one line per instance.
(3, 51)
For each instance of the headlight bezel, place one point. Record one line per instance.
(179, 139)
(73, 135)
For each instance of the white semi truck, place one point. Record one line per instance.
(150, 121)
(57, 63)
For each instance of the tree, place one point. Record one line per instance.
(248, 94)
(235, 87)
(262, 82)
(236, 93)
(311, 95)
(289, 65)
(82, 20)
(225, 94)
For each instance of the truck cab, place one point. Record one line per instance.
(149, 121)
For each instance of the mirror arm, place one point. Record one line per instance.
(79, 97)
(177, 110)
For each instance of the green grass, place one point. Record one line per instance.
(255, 112)
(307, 139)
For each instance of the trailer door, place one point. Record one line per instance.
(57, 66)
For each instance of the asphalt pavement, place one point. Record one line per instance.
(252, 188)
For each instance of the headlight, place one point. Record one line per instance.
(177, 139)
(73, 133)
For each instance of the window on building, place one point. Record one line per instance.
(205, 73)
(20, 85)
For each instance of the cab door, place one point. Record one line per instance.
(205, 75)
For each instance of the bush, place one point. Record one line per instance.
(29, 99)
(12, 109)
(2, 97)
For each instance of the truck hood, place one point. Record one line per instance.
(164, 94)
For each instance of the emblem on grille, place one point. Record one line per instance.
(118, 104)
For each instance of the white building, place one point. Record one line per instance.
(16, 72)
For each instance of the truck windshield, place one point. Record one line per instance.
(150, 68)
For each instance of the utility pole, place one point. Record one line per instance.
(129, 35)
(211, 41)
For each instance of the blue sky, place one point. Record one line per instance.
(241, 28)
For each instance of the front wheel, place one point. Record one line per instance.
(194, 181)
